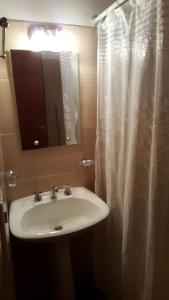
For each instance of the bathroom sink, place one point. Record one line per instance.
(51, 218)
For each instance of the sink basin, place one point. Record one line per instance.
(51, 218)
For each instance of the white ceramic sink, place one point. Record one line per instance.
(51, 218)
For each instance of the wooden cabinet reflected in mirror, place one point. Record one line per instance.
(47, 95)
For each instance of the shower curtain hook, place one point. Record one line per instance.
(4, 24)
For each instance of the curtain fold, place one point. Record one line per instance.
(132, 148)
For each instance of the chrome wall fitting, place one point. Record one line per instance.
(11, 176)
(87, 163)
(4, 24)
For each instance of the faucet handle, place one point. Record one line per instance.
(67, 190)
(55, 189)
(38, 197)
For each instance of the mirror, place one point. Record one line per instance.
(47, 95)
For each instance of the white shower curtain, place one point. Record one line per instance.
(132, 148)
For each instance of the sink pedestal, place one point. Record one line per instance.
(62, 276)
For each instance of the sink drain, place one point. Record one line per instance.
(57, 228)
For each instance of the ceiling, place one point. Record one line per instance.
(78, 12)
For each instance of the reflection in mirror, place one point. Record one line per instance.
(47, 96)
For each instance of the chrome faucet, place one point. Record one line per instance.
(53, 193)
(38, 197)
(67, 190)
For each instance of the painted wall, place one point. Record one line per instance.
(77, 12)
(39, 170)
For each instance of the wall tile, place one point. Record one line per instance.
(88, 103)
(1, 166)
(58, 160)
(7, 111)
(23, 161)
(22, 189)
(1, 157)
(89, 139)
(72, 178)
(89, 178)
(3, 69)
(87, 53)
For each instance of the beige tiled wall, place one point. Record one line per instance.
(39, 170)
(1, 169)
(2, 182)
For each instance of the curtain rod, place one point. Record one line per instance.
(115, 5)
